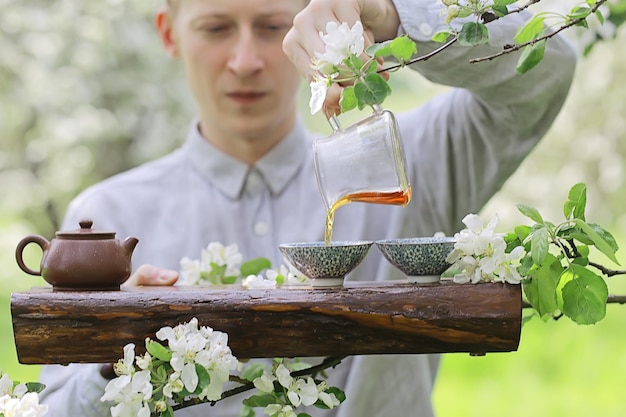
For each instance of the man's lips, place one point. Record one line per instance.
(246, 96)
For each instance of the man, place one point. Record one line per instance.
(245, 174)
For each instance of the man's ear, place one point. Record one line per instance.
(164, 26)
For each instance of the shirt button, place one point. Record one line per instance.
(426, 29)
(261, 228)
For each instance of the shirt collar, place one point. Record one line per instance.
(229, 175)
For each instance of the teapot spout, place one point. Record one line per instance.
(129, 244)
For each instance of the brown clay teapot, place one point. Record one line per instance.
(83, 259)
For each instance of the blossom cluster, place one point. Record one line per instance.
(292, 392)
(341, 42)
(219, 264)
(283, 275)
(196, 363)
(17, 401)
(480, 254)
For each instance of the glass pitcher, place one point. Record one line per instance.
(362, 163)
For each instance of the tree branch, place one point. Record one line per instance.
(329, 362)
(513, 48)
(613, 299)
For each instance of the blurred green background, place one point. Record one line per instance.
(86, 91)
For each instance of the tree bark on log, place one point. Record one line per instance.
(357, 319)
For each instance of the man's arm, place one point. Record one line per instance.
(466, 143)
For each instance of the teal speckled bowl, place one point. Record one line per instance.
(422, 259)
(326, 266)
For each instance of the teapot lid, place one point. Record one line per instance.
(85, 232)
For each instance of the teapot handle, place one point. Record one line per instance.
(40, 240)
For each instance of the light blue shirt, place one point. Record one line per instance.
(460, 147)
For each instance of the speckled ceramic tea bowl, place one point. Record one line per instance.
(422, 259)
(326, 266)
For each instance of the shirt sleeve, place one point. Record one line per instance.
(463, 145)
(74, 390)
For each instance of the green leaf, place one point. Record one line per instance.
(531, 30)
(372, 90)
(503, 2)
(581, 237)
(246, 411)
(204, 378)
(303, 415)
(253, 371)
(441, 36)
(403, 48)
(262, 400)
(35, 387)
(215, 275)
(608, 249)
(382, 49)
(168, 413)
(512, 241)
(522, 232)
(531, 56)
(473, 33)
(354, 62)
(298, 365)
(530, 212)
(600, 16)
(527, 266)
(579, 12)
(157, 350)
(584, 296)
(540, 289)
(606, 235)
(500, 10)
(254, 266)
(540, 240)
(229, 280)
(581, 260)
(348, 99)
(576, 202)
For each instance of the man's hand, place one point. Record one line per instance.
(380, 23)
(152, 275)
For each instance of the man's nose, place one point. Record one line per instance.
(245, 58)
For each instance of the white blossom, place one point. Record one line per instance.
(25, 406)
(215, 255)
(319, 87)
(144, 362)
(506, 270)
(265, 382)
(329, 399)
(222, 255)
(189, 271)
(131, 393)
(279, 410)
(258, 281)
(125, 366)
(341, 41)
(6, 385)
(480, 254)
(190, 345)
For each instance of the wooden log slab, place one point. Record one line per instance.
(358, 319)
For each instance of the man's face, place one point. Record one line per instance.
(232, 54)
